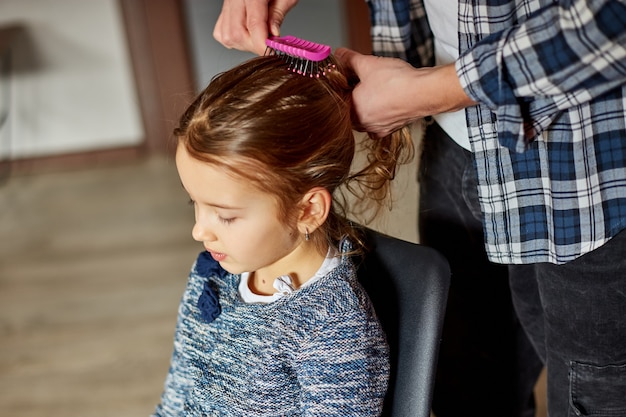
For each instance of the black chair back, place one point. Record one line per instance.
(408, 285)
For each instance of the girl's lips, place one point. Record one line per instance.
(219, 257)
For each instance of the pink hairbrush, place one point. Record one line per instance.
(303, 57)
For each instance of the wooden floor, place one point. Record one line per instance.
(92, 265)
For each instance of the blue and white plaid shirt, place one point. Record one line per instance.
(549, 137)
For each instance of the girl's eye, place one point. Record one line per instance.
(227, 221)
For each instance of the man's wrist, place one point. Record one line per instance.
(456, 97)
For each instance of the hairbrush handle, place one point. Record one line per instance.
(299, 48)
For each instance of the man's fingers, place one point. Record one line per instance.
(257, 24)
(278, 9)
(246, 24)
(242, 24)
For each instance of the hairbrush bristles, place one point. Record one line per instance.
(302, 57)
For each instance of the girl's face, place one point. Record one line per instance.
(237, 223)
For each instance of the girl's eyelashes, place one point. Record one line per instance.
(227, 221)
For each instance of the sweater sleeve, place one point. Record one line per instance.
(179, 382)
(344, 368)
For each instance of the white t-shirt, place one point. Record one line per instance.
(443, 20)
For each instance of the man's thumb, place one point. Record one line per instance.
(276, 14)
(346, 56)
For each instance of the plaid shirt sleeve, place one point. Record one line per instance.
(562, 56)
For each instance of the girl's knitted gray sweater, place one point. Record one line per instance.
(319, 351)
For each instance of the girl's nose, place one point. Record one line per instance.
(202, 233)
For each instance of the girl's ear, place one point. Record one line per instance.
(315, 206)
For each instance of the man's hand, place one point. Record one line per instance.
(245, 24)
(391, 93)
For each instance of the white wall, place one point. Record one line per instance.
(72, 88)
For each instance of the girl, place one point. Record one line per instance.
(273, 321)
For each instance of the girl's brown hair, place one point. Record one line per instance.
(288, 133)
